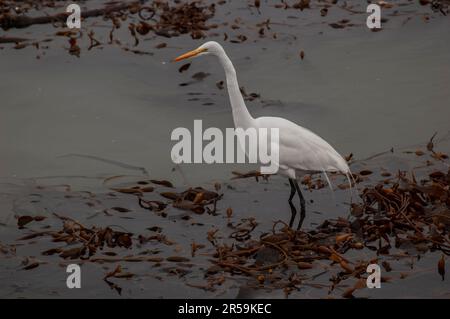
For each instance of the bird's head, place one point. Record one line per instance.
(210, 47)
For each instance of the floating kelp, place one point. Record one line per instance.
(400, 218)
(392, 216)
(153, 20)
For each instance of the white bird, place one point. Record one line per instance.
(300, 150)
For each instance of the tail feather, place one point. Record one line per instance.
(330, 185)
(350, 185)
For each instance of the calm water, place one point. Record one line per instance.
(363, 91)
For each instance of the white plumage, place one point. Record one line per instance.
(300, 150)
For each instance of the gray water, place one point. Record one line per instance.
(363, 91)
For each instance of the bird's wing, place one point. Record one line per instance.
(301, 149)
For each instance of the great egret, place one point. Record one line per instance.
(300, 150)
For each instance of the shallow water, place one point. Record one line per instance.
(363, 91)
(412, 272)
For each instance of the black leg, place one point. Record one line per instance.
(293, 210)
(293, 189)
(302, 204)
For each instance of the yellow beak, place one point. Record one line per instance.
(190, 54)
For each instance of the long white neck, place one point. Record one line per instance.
(241, 116)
